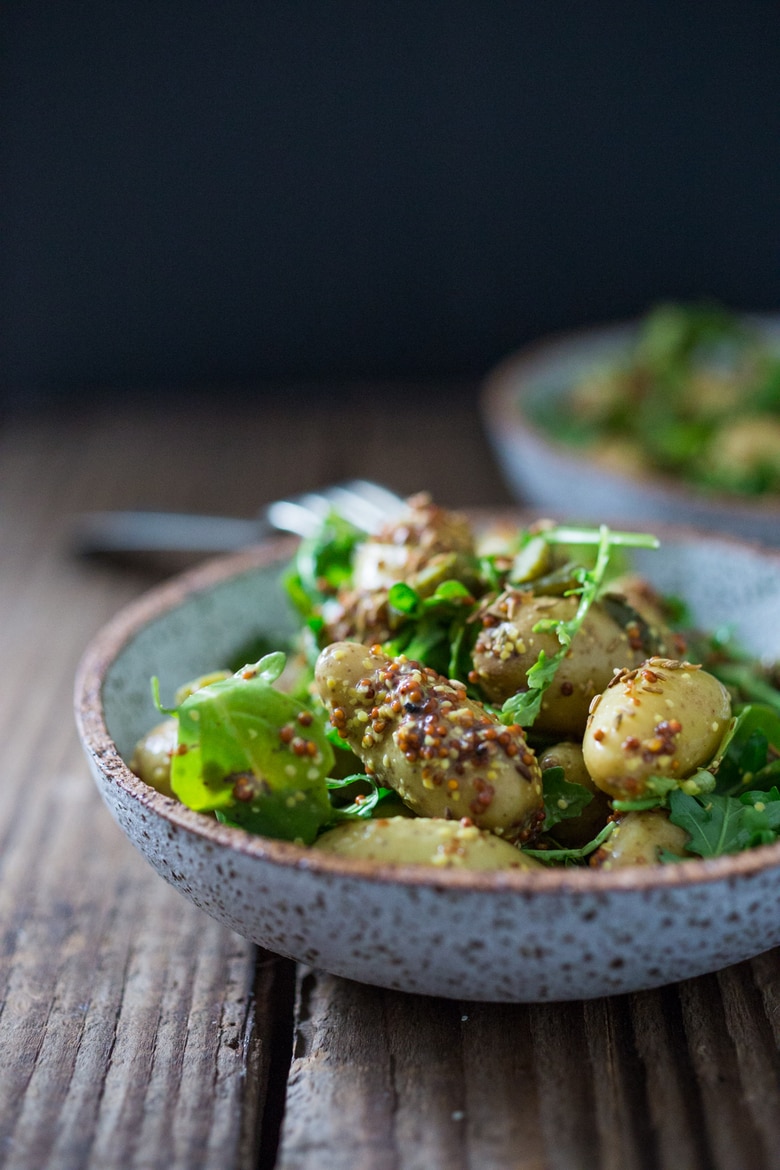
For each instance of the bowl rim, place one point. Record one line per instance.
(505, 389)
(110, 639)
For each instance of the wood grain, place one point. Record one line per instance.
(137, 1033)
(658, 1079)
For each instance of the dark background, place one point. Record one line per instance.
(236, 193)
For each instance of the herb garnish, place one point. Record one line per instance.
(523, 707)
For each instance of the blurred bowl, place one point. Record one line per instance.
(509, 936)
(561, 480)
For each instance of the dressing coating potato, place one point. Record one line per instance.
(425, 545)
(637, 839)
(151, 758)
(403, 548)
(417, 732)
(507, 648)
(576, 831)
(666, 718)
(423, 841)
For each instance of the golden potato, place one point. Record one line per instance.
(423, 841)
(666, 718)
(151, 758)
(638, 838)
(418, 733)
(507, 648)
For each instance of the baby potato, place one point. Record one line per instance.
(507, 648)
(638, 838)
(424, 546)
(423, 841)
(151, 758)
(666, 718)
(576, 831)
(417, 732)
(403, 548)
(746, 445)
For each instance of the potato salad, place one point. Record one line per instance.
(694, 395)
(482, 699)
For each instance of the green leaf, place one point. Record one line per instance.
(712, 823)
(573, 856)
(752, 750)
(255, 754)
(292, 817)
(403, 598)
(718, 823)
(447, 592)
(562, 799)
(323, 564)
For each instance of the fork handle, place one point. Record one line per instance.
(96, 533)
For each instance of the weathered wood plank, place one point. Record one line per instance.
(650, 1081)
(135, 1032)
(131, 1028)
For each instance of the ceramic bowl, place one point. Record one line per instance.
(559, 480)
(507, 936)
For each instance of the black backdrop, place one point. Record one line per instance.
(232, 192)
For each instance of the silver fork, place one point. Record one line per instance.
(365, 504)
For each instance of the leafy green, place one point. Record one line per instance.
(667, 397)
(562, 799)
(718, 823)
(365, 805)
(436, 629)
(751, 758)
(555, 856)
(322, 564)
(254, 755)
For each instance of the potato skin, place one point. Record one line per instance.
(576, 831)
(418, 733)
(666, 718)
(407, 545)
(423, 841)
(423, 546)
(637, 839)
(507, 648)
(151, 758)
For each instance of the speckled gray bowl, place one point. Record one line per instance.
(560, 480)
(512, 936)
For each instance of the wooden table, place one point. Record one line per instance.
(137, 1033)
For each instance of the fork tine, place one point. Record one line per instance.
(365, 509)
(302, 515)
(362, 503)
(387, 502)
(365, 504)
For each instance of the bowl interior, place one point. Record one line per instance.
(203, 624)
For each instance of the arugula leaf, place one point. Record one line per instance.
(718, 823)
(402, 598)
(573, 856)
(322, 564)
(365, 804)
(434, 630)
(253, 754)
(752, 751)
(711, 826)
(562, 799)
